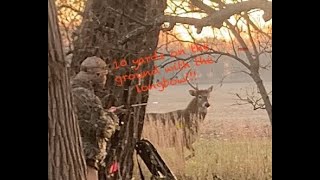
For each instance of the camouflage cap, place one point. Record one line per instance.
(93, 64)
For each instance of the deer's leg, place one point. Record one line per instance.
(190, 147)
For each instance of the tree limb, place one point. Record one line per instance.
(180, 70)
(258, 29)
(216, 18)
(252, 99)
(234, 72)
(72, 8)
(212, 51)
(250, 37)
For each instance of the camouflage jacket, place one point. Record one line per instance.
(96, 125)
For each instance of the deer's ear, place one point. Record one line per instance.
(210, 88)
(192, 92)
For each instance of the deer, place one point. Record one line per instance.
(186, 120)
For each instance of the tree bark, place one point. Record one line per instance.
(65, 158)
(116, 30)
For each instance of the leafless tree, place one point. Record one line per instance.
(247, 51)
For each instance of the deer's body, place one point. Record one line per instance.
(182, 123)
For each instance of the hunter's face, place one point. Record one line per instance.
(101, 78)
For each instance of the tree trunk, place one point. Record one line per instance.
(114, 30)
(65, 158)
(264, 94)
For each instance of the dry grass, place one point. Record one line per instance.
(231, 159)
(228, 159)
(235, 151)
(238, 150)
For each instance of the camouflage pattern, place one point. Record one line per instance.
(93, 64)
(96, 124)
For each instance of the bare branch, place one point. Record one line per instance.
(252, 99)
(267, 66)
(243, 44)
(216, 61)
(70, 7)
(169, 42)
(67, 35)
(176, 6)
(211, 51)
(201, 5)
(250, 36)
(189, 33)
(225, 76)
(258, 29)
(216, 18)
(180, 70)
(264, 5)
(196, 88)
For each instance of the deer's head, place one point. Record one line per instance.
(200, 103)
(202, 97)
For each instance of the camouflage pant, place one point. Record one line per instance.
(95, 153)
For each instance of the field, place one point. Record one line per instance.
(235, 142)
